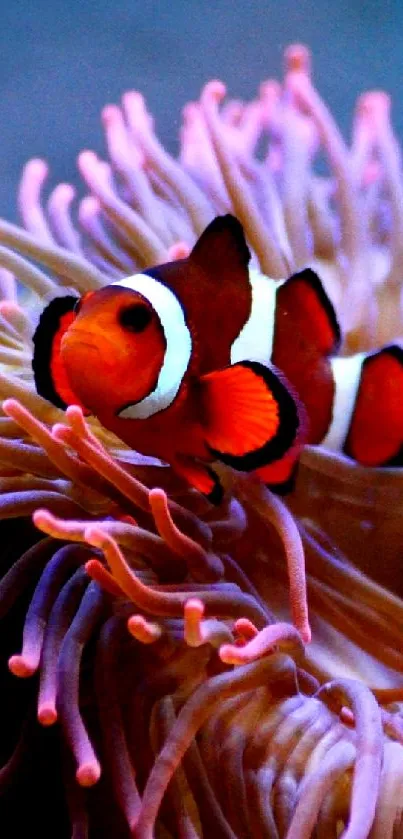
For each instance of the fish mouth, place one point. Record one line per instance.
(76, 341)
(87, 344)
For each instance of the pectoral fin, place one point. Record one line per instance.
(251, 417)
(221, 251)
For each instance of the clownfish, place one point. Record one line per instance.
(165, 360)
(182, 362)
(355, 403)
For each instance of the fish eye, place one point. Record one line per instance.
(135, 318)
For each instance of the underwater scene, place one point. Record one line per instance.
(201, 430)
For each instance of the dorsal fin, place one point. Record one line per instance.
(50, 376)
(213, 288)
(221, 248)
(304, 301)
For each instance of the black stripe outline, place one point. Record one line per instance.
(49, 323)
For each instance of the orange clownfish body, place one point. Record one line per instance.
(177, 362)
(160, 359)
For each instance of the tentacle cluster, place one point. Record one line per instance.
(199, 685)
(166, 642)
(256, 159)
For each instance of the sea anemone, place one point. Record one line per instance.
(165, 644)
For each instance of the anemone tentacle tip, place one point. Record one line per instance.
(47, 714)
(20, 666)
(9, 406)
(41, 516)
(306, 633)
(88, 774)
(37, 166)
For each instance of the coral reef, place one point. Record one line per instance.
(164, 642)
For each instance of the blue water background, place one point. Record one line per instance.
(62, 60)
